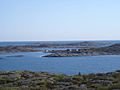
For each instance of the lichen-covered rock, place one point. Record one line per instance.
(26, 80)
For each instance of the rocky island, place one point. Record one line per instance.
(108, 50)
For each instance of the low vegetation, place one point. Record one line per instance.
(26, 80)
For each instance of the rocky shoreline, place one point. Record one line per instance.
(109, 50)
(27, 80)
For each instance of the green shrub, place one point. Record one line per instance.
(5, 80)
(103, 88)
(115, 86)
(59, 77)
(8, 88)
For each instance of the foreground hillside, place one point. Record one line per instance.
(26, 80)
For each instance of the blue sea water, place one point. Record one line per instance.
(65, 65)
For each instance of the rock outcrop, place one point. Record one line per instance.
(26, 80)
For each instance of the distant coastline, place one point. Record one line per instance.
(86, 48)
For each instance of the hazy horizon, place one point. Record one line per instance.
(59, 20)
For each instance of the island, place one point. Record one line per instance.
(108, 50)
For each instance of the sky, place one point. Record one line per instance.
(59, 20)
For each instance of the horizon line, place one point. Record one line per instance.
(54, 40)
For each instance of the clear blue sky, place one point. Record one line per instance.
(59, 20)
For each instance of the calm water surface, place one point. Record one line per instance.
(67, 65)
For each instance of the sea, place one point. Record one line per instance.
(33, 61)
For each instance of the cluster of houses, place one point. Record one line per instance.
(68, 50)
(73, 50)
